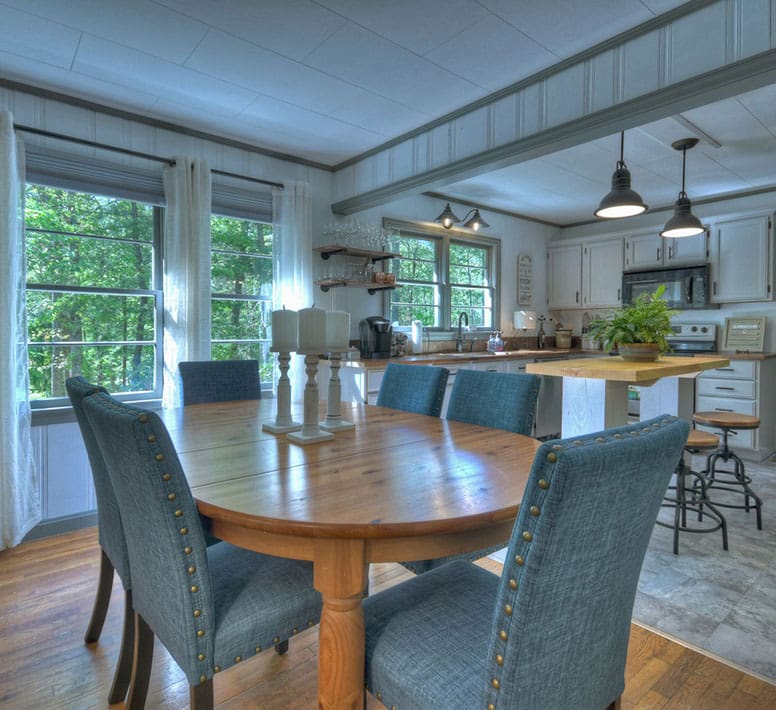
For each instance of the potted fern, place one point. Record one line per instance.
(638, 331)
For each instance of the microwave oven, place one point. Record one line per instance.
(685, 287)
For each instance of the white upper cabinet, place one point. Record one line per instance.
(741, 257)
(651, 251)
(564, 276)
(602, 273)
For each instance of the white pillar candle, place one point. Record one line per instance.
(285, 328)
(312, 331)
(337, 331)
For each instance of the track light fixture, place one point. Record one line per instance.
(684, 223)
(472, 220)
(621, 201)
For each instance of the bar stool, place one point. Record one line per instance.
(690, 493)
(736, 480)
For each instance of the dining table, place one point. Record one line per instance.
(398, 486)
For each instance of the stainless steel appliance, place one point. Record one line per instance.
(693, 338)
(375, 334)
(685, 288)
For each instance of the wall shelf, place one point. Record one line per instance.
(338, 250)
(371, 287)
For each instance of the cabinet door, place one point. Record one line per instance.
(602, 272)
(565, 276)
(740, 258)
(643, 251)
(686, 250)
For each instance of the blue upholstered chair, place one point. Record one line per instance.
(413, 388)
(499, 400)
(551, 632)
(219, 380)
(492, 399)
(113, 549)
(210, 607)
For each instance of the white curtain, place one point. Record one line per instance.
(292, 251)
(186, 254)
(20, 507)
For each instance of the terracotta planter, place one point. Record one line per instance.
(639, 352)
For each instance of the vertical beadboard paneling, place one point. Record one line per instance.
(506, 120)
(565, 95)
(698, 42)
(471, 133)
(641, 65)
(755, 35)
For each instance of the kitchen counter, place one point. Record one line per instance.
(480, 355)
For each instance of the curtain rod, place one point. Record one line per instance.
(135, 153)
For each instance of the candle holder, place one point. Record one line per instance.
(311, 430)
(283, 421)
(334, 420)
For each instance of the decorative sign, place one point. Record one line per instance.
(744, 334)
(524, 280)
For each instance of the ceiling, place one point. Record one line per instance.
(326, 80)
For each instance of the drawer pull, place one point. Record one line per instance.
(727, 389)
(722, 409)
(725, 369)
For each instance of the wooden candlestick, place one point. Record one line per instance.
(334, 418)
(283, 421)
(311, 430)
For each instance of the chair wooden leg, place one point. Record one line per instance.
(101, 601)
(141, 665)
(123, 674)
(201, 696)
(281, 648)
(615, 705)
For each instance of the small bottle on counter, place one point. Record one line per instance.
(491, 342)
(498, 343)
(540, 334)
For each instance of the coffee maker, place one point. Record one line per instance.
(375, 337)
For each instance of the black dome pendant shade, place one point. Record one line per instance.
(622, 200)
(684, 223)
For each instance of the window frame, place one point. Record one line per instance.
(446, 237)
(156, 292)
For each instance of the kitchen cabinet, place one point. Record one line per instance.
(602, 263)
(355, 277)
(651, 251)
(564, 276)
(742, 259)
(745, 387)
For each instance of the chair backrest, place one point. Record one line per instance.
(171, 587)
(495, 399)
(563, 610)
(413, 388)
(219, 380)
(110, 530)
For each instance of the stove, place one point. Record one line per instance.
(693, 338)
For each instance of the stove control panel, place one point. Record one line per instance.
(694, 331)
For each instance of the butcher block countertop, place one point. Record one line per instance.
(618, 370)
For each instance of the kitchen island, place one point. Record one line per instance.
(595, 390)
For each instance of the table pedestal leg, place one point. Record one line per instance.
(591, 405)
(339, 576)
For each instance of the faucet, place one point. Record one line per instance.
(459, 339)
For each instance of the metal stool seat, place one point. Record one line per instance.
(690, 493)
(735, 481)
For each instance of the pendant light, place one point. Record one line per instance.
(622, 201)
(472, 220)
(475, 222)
(684, 223)
(447, 219)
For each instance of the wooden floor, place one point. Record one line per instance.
(46, 593)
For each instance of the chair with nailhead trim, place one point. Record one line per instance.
(219, 380)
(413, 388)
(499, 400)
(210, 606)
(551, 632)
(113, 549)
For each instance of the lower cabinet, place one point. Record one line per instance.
(745, 387)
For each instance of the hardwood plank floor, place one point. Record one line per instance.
(46, 594)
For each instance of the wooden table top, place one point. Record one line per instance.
(618, 370)
(395, 474)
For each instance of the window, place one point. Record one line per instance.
(93, 303)
(441, 275)
(241, 286)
